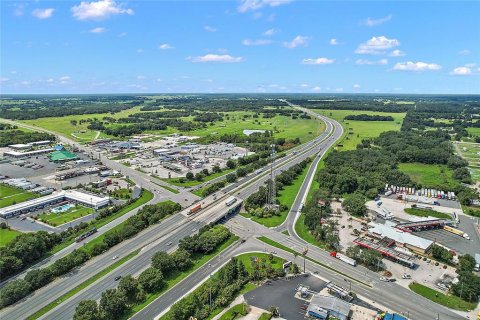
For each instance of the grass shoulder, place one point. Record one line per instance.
(7, 235)
(446, 300)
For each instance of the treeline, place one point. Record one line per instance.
(368, 117)
(139, 125)
(222, 288)
(256, 142)
(19, 288)
(225, 103)
(365, 171)
(116, 303)
(28, 248)
(50, 109)
(19, 136)
(256, 202)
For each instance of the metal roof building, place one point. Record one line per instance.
(322, 307)
(401, 238)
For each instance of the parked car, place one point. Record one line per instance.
(118, 278)
(406, 276)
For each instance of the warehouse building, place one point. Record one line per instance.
(325, 307)
(26, 154)
(85, 199)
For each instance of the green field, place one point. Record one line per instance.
(276, 262)
(192, 183)
(355, 131)
(287, 197)
(10, 195)
(427, 213)
(448, 301)
(429, 175)
(56, 219)
(80, 132)
(7, 235)
(474, 131)
(284, 127)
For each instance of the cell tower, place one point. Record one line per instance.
(271, 203)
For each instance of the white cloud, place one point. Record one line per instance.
(4, 79)
(465, 52)
(13, 72)
(252, 5)
(49, 80)
(370, 62)
(165, 46)
(334, 42)
(297, 41)
(339, 89)
(25, 83)
(270, 32)
(375, 22)
(209, 29)
(396, 53)
(98, 10)
(461, 71)
(140, 77)
(377, 45)
(258, 42)
(416, 66)
(318, 61)
(304, 85)
(122, 34)
(140, 50)
(64, 78)
(356, 86)
(98, 30)
(316, 88)
(43, 13)
(223, 58)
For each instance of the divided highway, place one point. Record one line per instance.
(171, 230)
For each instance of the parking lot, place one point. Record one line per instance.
(281, 293)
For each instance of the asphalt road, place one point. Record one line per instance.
(184, 227)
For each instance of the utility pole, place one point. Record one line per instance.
(271, 190)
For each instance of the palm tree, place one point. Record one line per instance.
(295, 255)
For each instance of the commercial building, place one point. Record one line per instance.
(85, 199)
(323, 307)
(62, 155)
(401, 238)
(26, 154)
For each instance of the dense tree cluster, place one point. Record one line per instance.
(8, 137)
(208, 238)
(255, 203)
(365, 171)
(368, 117)
(24, 250)
(31, 247)
(367, 257)
(115, 303)
(430, 147)
(60, 106)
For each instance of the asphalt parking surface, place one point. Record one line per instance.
(280, 293)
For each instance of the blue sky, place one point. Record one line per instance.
(108, 46)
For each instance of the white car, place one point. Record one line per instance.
(115, 257)
(406, 276)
